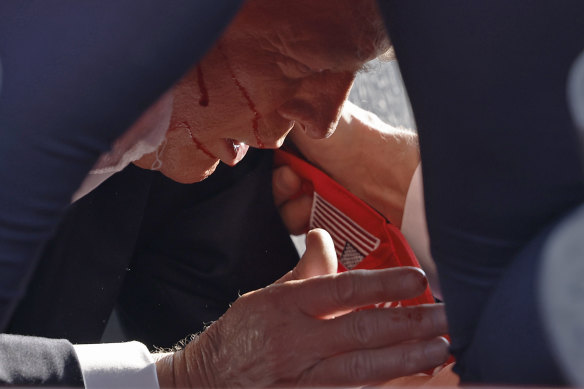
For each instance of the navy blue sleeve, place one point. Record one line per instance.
(502, 164)
(27, 360)
(74, 76)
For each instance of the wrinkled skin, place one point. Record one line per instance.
(279, 64)
(303, 331)
(292, 62)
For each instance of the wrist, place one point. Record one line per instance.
(191, 365)
(165, 369)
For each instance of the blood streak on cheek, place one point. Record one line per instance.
(256, 115)
(199, 145)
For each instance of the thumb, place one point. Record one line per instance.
(319, 258)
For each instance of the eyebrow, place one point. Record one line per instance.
(335, 59)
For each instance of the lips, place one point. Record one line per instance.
(232, 151)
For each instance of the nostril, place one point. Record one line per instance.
(316, 119)
(316, 132)
(301, 126)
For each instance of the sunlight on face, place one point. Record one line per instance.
(280, 64)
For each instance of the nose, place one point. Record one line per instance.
(316, 106)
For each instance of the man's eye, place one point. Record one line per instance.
(294, 69)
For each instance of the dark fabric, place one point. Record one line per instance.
(26, 361)
(518, 348)
(181, 252)
(75, 76)
(200, 246)
(82, 268)
(487, 84)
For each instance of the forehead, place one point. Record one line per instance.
(329, 33)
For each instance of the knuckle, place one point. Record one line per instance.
(362, 330)
(412, 324)
(359, 367)
(405, 361)
(410, 360)
(345, 289)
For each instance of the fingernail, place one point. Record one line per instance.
(424, 282)
(415, 278)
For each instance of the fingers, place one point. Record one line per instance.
(285, 184)
(322, 296)
(294, 211)
(270, 336)
(375, 328)
(296, 214)
(373, 366)
(318, 259)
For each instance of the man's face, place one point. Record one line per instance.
(279, 64)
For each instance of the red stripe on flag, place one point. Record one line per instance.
(339, 241)
(338, 216)
(342, 228)
(337, 233)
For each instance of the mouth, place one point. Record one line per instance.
(232, 151)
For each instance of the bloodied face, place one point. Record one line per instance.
(279, 64)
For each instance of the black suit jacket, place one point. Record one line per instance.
(487, 82)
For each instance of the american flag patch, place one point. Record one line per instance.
(352, 242)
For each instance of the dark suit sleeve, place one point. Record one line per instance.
(75, 75)
(27, 360)
(502, 165)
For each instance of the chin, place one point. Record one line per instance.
(189, 176)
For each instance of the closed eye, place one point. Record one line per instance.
(294, 69)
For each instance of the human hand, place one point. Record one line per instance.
(304, 331)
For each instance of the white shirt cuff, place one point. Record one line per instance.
(415, 229)
(116, 365)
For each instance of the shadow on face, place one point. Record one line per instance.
(279, 64)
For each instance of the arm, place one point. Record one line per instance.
(27, 360)
(307, 315)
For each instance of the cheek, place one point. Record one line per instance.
(259, 86)
(184, 162)
(210, 121)
(247, 111)
(219, 100)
